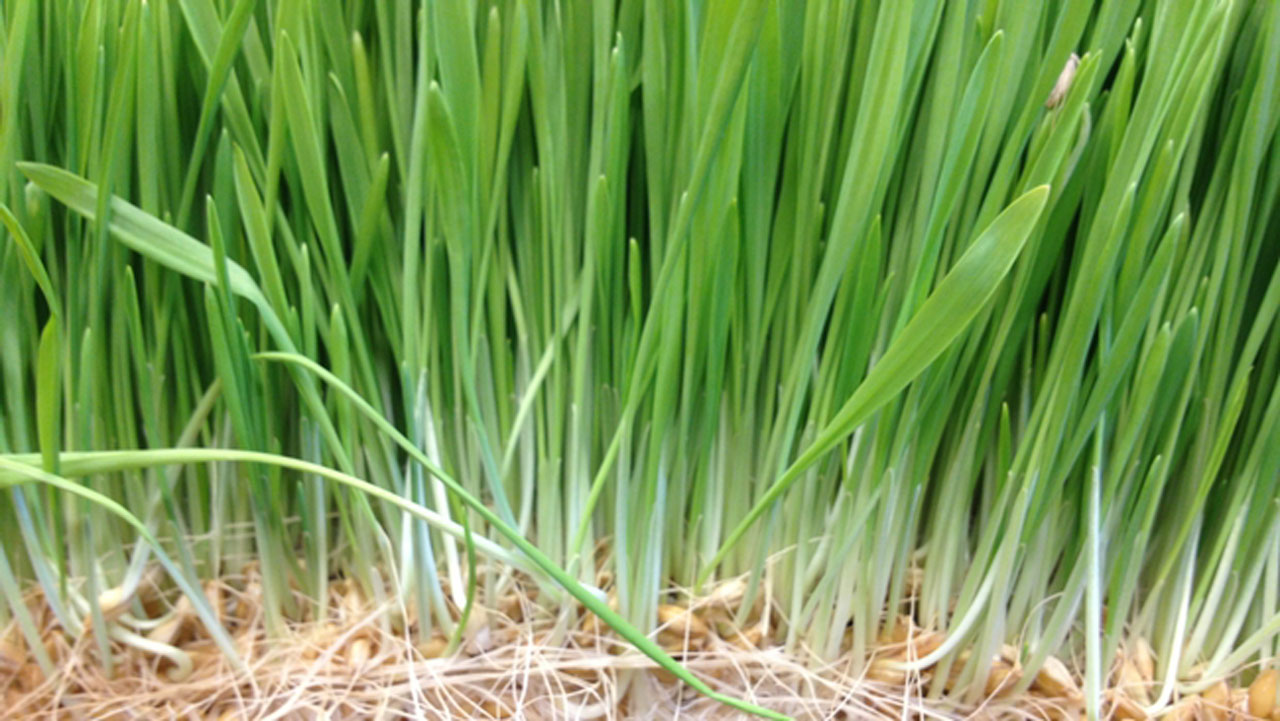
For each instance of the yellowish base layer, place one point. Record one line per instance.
(518, 660)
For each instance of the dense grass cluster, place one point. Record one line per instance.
(879, 307)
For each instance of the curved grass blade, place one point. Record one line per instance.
(942, 318)
(16, 468)
(142, 231)
(18, 472)
(575, 589)
(32, 258)
(178, 251)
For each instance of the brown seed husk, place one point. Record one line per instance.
(495, 710)
(358, 652)
(12, 657)
(680, 629)
(1144, 659)
(374, 664)
(167, 632)
(1055, 681)
(883, 671)
(750, 639)
(512, 607)
(1188, 709)
(434, 647)
(1216, 702)
(902, 627)
(213, 594)
(1133, 683)
(1123, 707)
(1263, 700)
(1002, 678)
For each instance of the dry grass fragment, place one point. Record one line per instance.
(352, 665)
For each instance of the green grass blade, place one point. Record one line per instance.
(942, 318)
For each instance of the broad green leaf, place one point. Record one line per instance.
(143, 232)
